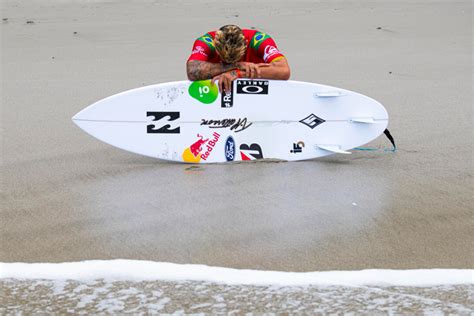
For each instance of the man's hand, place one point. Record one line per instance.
(278, 70)
(225, 80)
(251, 70)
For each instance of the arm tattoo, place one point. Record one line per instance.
(201, 70)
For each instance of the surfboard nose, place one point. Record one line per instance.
(80, 120)
(78, 116)
(93, 112)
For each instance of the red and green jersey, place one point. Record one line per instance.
(261, 48)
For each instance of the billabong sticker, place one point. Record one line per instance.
(159, 126)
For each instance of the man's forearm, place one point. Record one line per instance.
(201, 70)
(279, 70)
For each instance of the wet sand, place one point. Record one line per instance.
(68, 197)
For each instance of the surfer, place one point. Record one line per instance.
(231, 53)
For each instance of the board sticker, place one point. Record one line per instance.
(312, 121)
(236, 125)
(200, 149)
(252, 152)
(297, 147)
(252, 86)
(160, 126)
(204, 91)
(227, 98)
(229, 149)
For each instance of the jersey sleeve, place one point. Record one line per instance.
(203, 48)
(265, 47)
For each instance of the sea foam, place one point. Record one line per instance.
(137, 270)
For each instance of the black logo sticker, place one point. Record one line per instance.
(227, 98)
(252, 86)
(252, 152)
(229, 149)
(236, 125)
(297, 147)
(312, 121)
(162, 127)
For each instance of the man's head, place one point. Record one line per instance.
(230, 43)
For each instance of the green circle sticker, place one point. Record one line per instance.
(204, 91)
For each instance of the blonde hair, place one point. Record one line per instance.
(230, 43)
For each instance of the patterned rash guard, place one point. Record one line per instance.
(261, 48)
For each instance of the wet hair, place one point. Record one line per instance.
(230, 43)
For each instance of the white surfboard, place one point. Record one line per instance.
(192, 122)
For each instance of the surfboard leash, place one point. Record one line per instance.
(390, 138)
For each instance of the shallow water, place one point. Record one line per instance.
(99, 296)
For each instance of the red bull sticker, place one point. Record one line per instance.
(200, 149)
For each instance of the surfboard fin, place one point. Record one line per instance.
(328, 94)
(334, 148)
(365, 120)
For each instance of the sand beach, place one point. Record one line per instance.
(68, 197)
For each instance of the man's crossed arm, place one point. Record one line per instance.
(202, 70)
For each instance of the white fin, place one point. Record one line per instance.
(365, 120)
(327, 94)
(334, 148)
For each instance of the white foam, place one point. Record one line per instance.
(136, 270)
